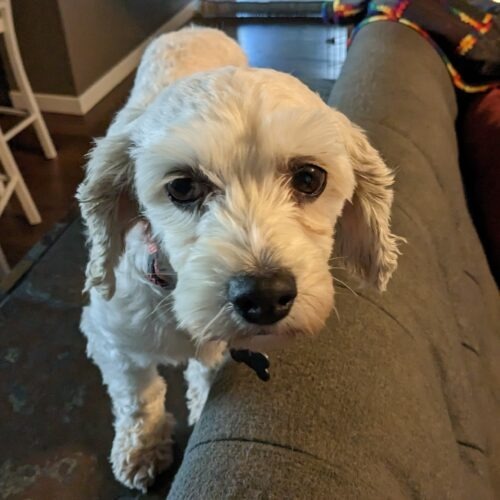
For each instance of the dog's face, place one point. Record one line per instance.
(243, 174)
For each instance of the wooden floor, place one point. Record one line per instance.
(309, 50)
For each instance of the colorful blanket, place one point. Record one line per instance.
(466, 37)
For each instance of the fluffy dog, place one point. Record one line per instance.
(210, 208)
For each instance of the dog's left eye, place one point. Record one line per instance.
(309, 180)
(186, 190)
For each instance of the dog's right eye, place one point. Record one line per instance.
(186, 190)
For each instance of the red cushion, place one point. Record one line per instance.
(480, 147)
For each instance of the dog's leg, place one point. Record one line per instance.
(199, 375)
(199, 379)
(142, 446)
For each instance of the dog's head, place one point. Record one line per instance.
(242, 174)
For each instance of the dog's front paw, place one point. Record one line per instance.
(141, 451)
(199, 379)
(195, 399)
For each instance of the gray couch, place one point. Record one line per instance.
(400, 397)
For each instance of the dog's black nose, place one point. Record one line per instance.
(262, 299)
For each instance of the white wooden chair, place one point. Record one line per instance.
(12, 182)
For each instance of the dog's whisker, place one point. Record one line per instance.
(209, 324)
(168, 308)
(336, 311)
(159, 305)
(344, 284)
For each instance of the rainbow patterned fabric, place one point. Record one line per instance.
(467, 39)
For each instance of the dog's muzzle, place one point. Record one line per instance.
(262, 299)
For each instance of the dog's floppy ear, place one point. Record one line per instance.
(363, 235)
(108, 176)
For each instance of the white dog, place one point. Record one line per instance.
(236, 177)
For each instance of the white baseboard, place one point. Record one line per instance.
(52, 103)
(273, 8)
(80, 105)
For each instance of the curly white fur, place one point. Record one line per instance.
(196, 104)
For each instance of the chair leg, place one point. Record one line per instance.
(4, 265)
(23, 83)
(21, 190)
(44, 137)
